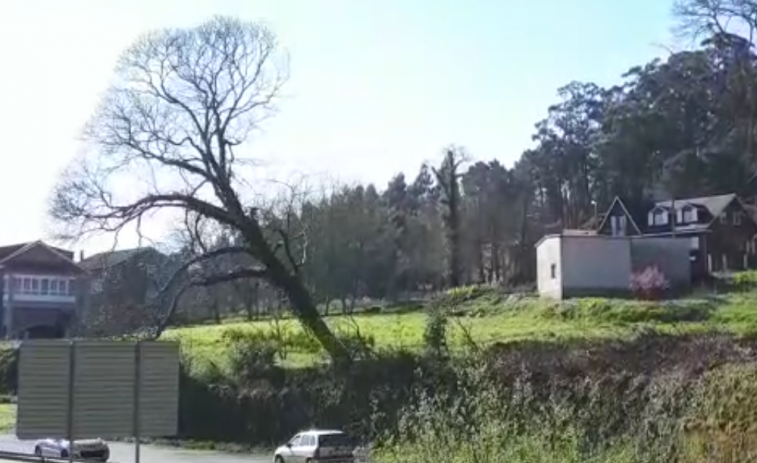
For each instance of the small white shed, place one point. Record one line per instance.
(579, 263)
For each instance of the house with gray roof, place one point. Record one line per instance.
(721, 229)
(145, 260)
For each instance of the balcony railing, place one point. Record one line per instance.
(40, 287)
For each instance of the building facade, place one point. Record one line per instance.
(41, 290)
(721, 230)
(583, 264)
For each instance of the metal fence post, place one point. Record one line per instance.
(137, 388)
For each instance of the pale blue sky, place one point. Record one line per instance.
(377, 86)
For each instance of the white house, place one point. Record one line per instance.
(579, 263)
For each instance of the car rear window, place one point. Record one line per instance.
(334, 440)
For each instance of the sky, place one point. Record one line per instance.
(376, 87)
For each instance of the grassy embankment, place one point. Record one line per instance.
(529, 402)
(488, 317)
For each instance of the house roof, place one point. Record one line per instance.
(635, 210)
(111, 258)
(10, 252)
(585, 234)
(9, 249)
(714, 204)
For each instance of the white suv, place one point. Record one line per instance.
(317, 446)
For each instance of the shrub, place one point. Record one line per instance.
(361, 346)
(252, 354)
(8, 370)
(600, 310)
(300, 341)
(435, 334)
(741, 281)
(456, 296)
(649, 284)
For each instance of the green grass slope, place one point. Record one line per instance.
(485, 316)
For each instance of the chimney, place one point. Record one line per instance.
(81, 255)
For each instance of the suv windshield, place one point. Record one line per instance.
(334, 440)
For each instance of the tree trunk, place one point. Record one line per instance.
(216, 311)
(302, 304)
(256, 300)
(306, 311)
(496, 262)
(248, 304)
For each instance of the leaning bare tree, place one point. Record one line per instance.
(168, 135)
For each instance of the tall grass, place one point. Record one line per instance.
(678, 416)
(478, 421)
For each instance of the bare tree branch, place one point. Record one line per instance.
(234, 275)
(208, 255)
(701, 19)
(183, 104)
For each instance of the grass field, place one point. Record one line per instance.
(493, 318)
(7, 418)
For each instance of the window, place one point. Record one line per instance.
(335, 440)
(618, 225)
(661, 217)
(295, 441)
(737, 218)
(695, 243)
(44, 286)
(307, 441)
(679, 216)
(650, 218)
(690, 215)
(752, 245)
(553, 271)
(724, 218)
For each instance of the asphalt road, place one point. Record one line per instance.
(124, 453)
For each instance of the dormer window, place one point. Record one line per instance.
(737, 218)
(657, 216)
(690, 214)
